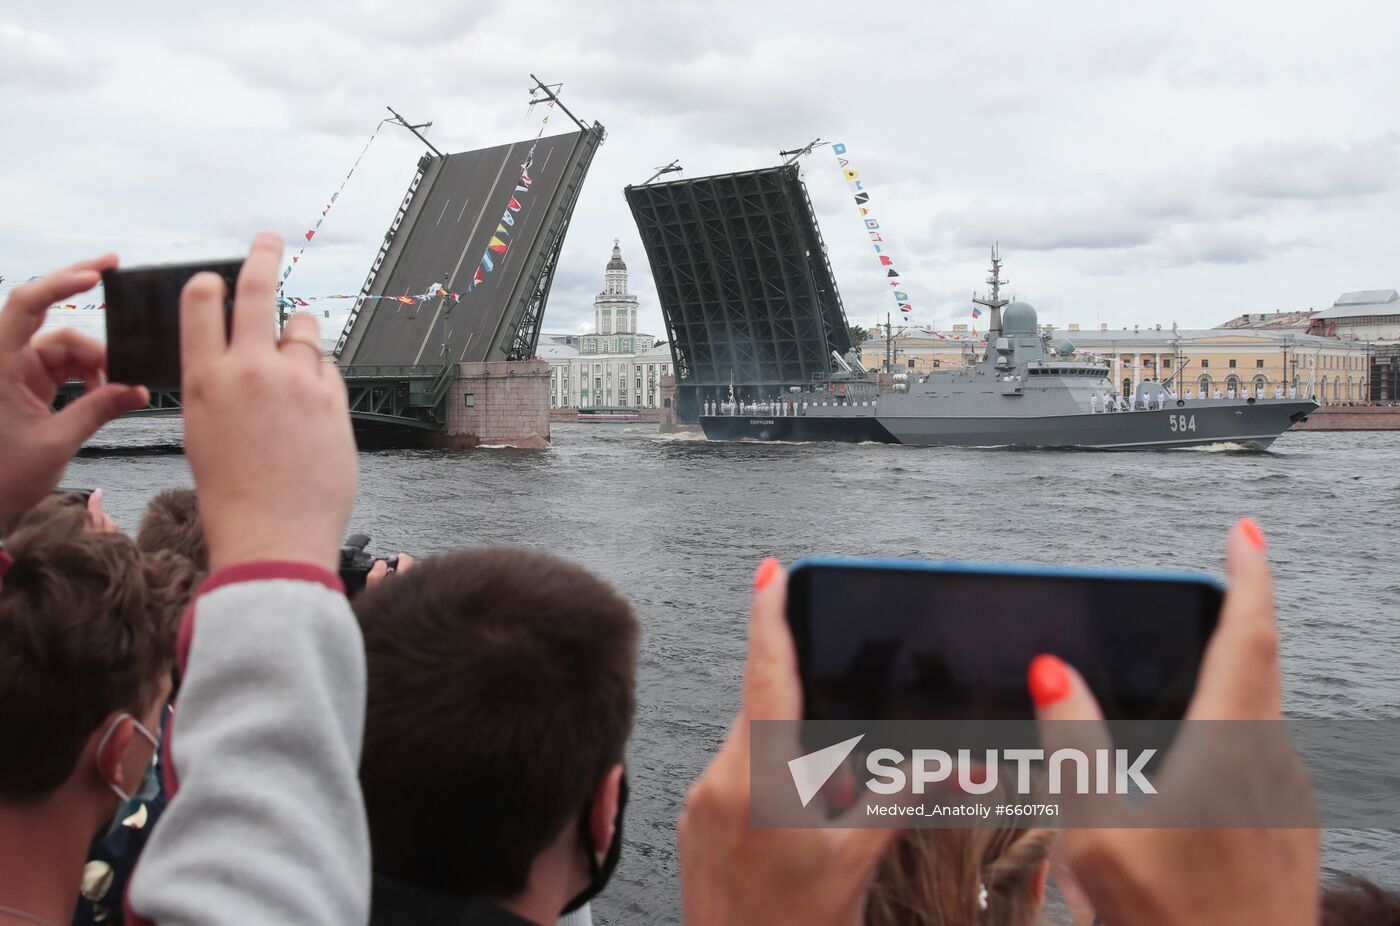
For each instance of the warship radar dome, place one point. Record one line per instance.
(1018, 318)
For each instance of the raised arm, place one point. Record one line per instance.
(266, 823)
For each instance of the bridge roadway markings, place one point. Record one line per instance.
(486, 179)
(466, 248)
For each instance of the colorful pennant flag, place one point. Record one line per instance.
(872, 225)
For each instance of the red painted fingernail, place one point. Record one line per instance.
(1048, 680)
(1252, 533)
(765, 573)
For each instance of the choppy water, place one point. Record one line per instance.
(680, 524)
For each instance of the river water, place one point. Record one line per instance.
(679, 525)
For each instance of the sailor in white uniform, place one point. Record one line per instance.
(1093, 403)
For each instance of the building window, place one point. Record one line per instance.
(1127, 386)
(1232, 363)
(911, 363)
(1259, 384)
(1232, 382)
(1205, 364)
(1205, 386)
(1259, 364)
(1166, 363)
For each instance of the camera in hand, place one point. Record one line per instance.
(355, 563)
(143, 319)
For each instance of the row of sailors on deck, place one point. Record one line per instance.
(783, 408)
(1113, 402)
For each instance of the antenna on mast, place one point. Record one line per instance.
(993, 300)
(551, 94)
(671, 168)
(806, 149)
(401, 121)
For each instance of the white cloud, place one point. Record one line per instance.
(34, 59)
(1187, 162)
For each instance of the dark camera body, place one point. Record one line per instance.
(143, 320)
(355, 563)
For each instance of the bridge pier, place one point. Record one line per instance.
(497, 403)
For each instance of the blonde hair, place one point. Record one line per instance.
(935, 877)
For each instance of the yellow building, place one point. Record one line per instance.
(1333, 370)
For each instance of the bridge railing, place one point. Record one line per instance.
(390, 371)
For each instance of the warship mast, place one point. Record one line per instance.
(993, 300)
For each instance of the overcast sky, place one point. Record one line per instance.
(1139, 163)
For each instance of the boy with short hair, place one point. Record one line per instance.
(501, 696)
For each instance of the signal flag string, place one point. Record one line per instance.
(872, 226)
(311, 233)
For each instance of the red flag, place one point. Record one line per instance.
(479, 278)
(885, 261)
(513, 205)
(311, 234)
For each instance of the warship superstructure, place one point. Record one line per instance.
(1024, 391)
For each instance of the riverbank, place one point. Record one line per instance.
(1352, 418)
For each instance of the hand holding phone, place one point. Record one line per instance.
(1239, 874)
(39, 442)
(267, 423)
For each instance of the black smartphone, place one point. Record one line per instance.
(897, 640)
(143, 320)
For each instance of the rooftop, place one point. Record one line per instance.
(1364, 302)
(1297, 321)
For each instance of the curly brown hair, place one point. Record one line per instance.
(171, 522)
(87, 628)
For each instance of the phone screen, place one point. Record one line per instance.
(143, 320)
(954, 642)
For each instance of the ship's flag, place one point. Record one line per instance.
(507, 218)
(513, 205)
(408, 300)
(311, 234)
(976, 312)
(496, 245)
(892, 273)
(479, 277)
(885, 260)
(486, 260)
(862, 198)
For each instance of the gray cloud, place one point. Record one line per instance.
(1315, 170)
(34, 59)
(1101, 144)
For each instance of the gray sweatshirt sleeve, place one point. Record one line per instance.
(266, 824)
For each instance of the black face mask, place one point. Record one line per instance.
(599, 875)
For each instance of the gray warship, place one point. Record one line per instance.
(1024, 391)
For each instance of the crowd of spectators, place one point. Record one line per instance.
(199, 727)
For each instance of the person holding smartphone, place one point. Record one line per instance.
(265, 822)
(732, 872)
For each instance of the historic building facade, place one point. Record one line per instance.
(614, 365)
(1333, 370)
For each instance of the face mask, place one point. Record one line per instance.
(599, 874)
(150, 783)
